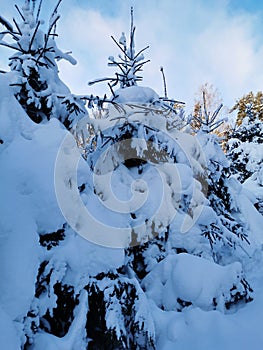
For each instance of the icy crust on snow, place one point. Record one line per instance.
(192, 279)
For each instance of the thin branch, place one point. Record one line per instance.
(23, 18)
(131, 22)
(38, 10)
(117, 64)
(216, 112)
(216, 125)
(47, 59)
(116, 42)
(132, 35)
(13, 34)
(10, 46)
(20, 47)
(34, 5)
(141, 51)
(205, 109)
(54, 12)
(56, 8)
(111, 89)
(17, 26)
(139, 66)
(47, 36)
(5, 23)
(33, 36)
(99, 81)
(164, 82)
(172, 101)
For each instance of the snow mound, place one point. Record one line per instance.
(185, 278)
(136, 94)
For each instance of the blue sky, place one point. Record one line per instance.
(196, 41)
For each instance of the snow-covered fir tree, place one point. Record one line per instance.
(225, 227)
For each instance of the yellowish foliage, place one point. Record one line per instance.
(250, 105)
